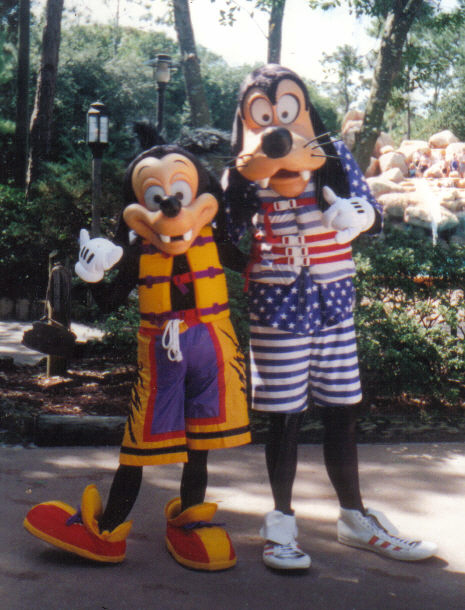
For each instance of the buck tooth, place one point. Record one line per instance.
(187, 236)
(264, 183)
(166, 239)
(305, 175)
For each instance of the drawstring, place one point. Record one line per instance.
(170, 340)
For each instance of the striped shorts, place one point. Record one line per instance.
(284, 365)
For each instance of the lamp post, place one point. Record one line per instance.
(97, 140)
(162, 72)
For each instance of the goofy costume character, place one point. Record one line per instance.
(190, 395)
(305, 199)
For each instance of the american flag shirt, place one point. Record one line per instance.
(300, 278)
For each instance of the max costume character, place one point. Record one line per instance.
(189, 396)
(305, 200)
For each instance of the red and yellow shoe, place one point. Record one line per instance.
(194, 541)
(77, 532)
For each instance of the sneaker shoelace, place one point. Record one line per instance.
(377, 526)
(285, 551)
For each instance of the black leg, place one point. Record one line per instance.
(281, 457)
(123, 494)
(194, 479)
(340, 454)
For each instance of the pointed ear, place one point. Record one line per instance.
(237, 134)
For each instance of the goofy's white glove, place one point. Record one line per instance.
(96, 256)
(349, 217)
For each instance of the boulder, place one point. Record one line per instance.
(435, 171)
(380, 185)
(437, 154)
(384, 140)
(395, 204)
(421, 216)
(352, 115)
(394, 174)
(453, 201)
(373, 168)
(409, 147)
(386, 149)
(456, 148)
(349, 132)
(391, 160)
(442, 139)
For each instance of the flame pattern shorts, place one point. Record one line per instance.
(198, 403)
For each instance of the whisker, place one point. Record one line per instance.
(316, 138)
(326, 156)
(316, 141)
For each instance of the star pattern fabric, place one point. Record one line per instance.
(358, 185)
(303, 307)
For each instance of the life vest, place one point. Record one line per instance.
(291, 236)
(206, 273)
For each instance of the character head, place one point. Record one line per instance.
(278, 139)
(169, 198)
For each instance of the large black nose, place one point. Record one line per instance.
(276, 142)
(170, 206)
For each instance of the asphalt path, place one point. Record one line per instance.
(420, 487)
(11, 335)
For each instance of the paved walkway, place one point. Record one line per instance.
(420, 487)
(11, 335)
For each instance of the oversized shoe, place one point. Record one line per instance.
(194, 541)
(78, 532)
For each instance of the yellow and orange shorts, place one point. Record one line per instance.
(198, 403)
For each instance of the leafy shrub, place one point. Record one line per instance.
(410, 316)
(120, 329)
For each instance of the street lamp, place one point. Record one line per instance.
(97, 140)
(162, 72)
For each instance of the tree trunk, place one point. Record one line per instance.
(41, 120)
(275, 28)
(398, 22)
(200, 113)
(22, 95)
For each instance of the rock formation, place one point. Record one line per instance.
(434, 198)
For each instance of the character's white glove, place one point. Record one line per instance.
(96, 256)
(349, 217)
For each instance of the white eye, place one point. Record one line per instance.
(287, 108)
(261, 111)
(182, 191)
(153, 197)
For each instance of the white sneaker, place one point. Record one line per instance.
(285, 556)
(369, 532)
(282, 551)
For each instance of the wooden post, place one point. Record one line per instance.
(59, 309)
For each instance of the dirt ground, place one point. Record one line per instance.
(93, 385)
(99, 384)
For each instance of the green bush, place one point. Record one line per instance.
(120, 328)
(410, 316)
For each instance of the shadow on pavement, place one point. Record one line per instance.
(421, 488)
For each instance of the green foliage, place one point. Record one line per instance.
(239, 308)
(23, 250)
(410, 316)
(120, 330)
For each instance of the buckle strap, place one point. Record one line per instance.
(180, 280)
(186, 314)
(288, 204)
(150, 280)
